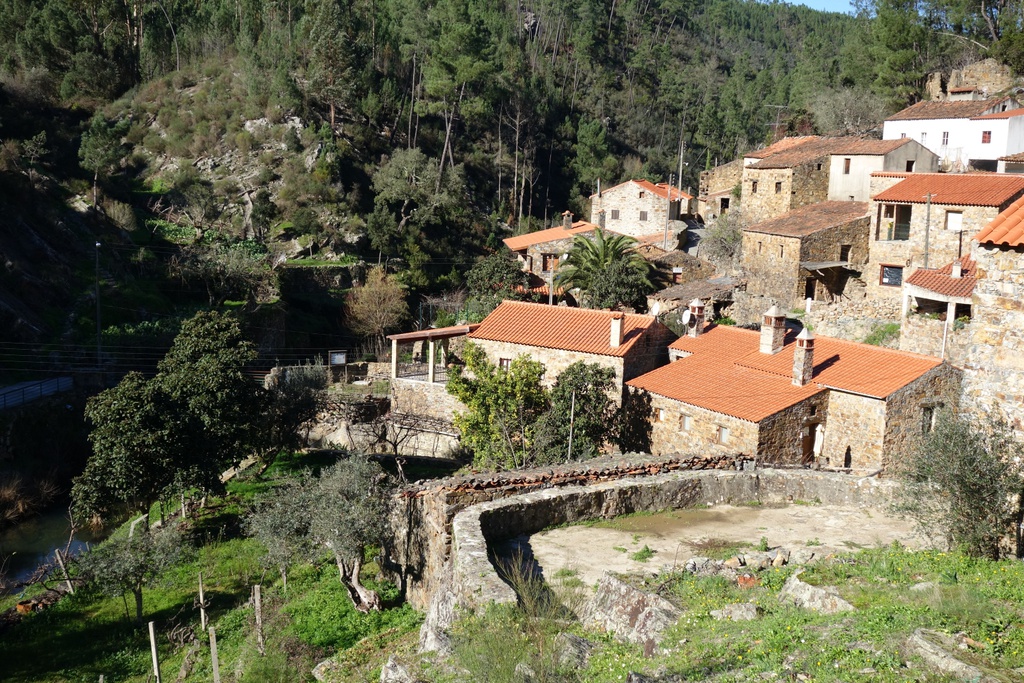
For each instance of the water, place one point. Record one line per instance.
(30, 543)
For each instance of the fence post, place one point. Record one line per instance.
(213, 656)
(259, 619)
(63, 568)
(152, 648)
(202, 604)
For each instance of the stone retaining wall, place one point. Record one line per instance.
(476, 582)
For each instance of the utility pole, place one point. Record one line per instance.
(572, 421)
(99, 343)
(927, 225)
(682, 150)
(668, 208)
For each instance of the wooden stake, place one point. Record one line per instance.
(259, 619)
(101, 678)
(213, 656)
(202, 604)
(63, 568)
(131, 529)
(152, 648)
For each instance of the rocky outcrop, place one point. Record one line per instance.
(740, 611)
(393, 672)
(631, 614)
(817, 599)
(941, 654)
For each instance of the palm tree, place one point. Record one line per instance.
(589, 262)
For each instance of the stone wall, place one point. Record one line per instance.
(555, 360)
(669, 436)
(994, 363)
(988, 75)
(923, 334)
(810, 183)
(766, 203)
(626, 199)
(749, 309)
(719, 179)
(535, 253)
(771, 266)
(413, 397)
(780, 437)
(904, 410)
(418, 552)
(851, 318)
(476, 582)
(855, 432)
(313, 279)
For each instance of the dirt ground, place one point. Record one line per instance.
(678, 535)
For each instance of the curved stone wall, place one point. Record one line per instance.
(476, 581)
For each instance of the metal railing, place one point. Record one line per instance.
(420, 372)
(20, 394)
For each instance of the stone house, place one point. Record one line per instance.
(540, 252)
(790, 398)
(719, 188)
(558, 336)
(920, 221)
(936, 308)
(965, 134)
(640, 207)
(994, 358)
(808, 253)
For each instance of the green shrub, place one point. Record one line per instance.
(883, 334)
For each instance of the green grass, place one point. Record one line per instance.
(643, 555)
(883, 334)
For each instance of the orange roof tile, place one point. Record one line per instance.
(956, 189)
(964, 88)
(941, 280)
(660, 189)
(711, 378)
(559, 327)
(779, 146)
(1018, 157)
(550, 235)
(1007, 228)
(1008, 114)
(795, 155)
(962, 109)
(726, 372)
(812, 218)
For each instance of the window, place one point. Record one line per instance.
(782, 251)
(814, 411)
(723, 204)
(902, 135)
(641, 194)
(504, 363)
(924, 137)
(778, 188)
(891, 276)
(643, 215)
(945, 138)
(659, 414)
(759, 245)
(818, 167)
(549, 262)
(986, 137)
(846, 166)
(753, 187)
(615, 214)
(723, 435)
(927, 419)
(910, 166)
(896, 222)
(955, 220)
(684, 423)
(844, 252)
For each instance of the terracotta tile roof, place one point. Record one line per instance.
(1008, 114)
(964, 88)
(1018, 157)
(812, 218)
(804, 153)
(956, 189)
(435, 333)
(779, 146)
(715, 289)
(560, 327)
(660, 189)
(871, 146)
(550, 235)
(711, 378)
(1007, 228)
(941, 281)
(891, 174)
(728, 374)
(963, 109)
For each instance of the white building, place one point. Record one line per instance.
(966, 133)
(855, 159)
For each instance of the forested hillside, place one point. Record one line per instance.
(395, 129)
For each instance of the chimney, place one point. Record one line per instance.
(600, 219)
(773, 331)
(615, 338)
(567, 220)
(957, 271)
(696, 325)
(803, 358)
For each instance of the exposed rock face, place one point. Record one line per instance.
(823, 600)
(440, 616)
(573, 651)
(393, 672)
(939, 653)
(631, 614)
(741, 611)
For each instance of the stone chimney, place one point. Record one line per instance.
(600, 219)
(803, 358)
(957, 270)
(615, 338)
(567, 220)
(696, 326)
(773, 331)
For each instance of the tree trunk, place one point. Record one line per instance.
(138, 605)
(362, 597)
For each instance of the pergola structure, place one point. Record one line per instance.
(437, 351)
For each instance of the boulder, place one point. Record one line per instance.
(440, 617)
(740, 611)
(631, 614)
(393, 672)
(573, 651)
(941, 654)
(824, 600)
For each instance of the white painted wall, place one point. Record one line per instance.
(965, 137)
(856, 186)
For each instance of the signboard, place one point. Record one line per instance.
(338, 357)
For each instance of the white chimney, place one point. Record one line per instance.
(615, 338)
(696, 323)
(567, 220)
(957, 271)
(773, 331)
(803, 358)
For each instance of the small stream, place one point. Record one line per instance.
(24, 546)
